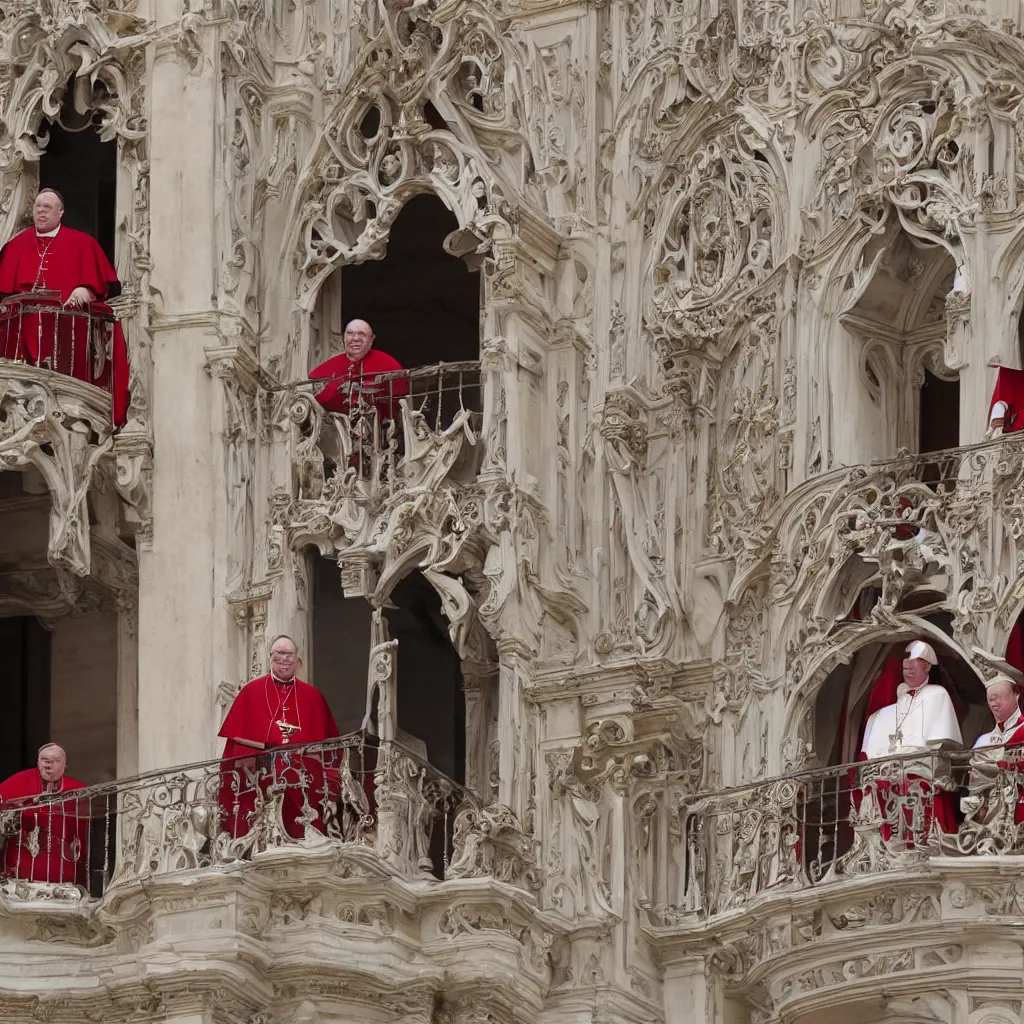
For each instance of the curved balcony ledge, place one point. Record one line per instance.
(945, 922)
(62, 427)
(363, 902)
(912, 516)
(404, 445)
(769, 843)
(361, 811)
(79, 400)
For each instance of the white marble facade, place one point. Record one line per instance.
(726, 249)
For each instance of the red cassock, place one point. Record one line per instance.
(312, 777)
(52, 841)
(69, 260)
(1010, 389)
(347, 379)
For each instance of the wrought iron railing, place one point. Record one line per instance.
(393, 429)
(352, 791)
(819, 827)
(39, 331)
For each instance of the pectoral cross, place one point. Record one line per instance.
(286, 730)
(895, 740)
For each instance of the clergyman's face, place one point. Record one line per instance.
(358, 340)
(284, 660)
(47, 211)
(1002, 701)
(915, 672)
(52, 762)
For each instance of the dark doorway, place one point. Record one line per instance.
(422, 303)
(25, 723)
(341, 645)
(431, 704)
(940, 414)
(83, 170)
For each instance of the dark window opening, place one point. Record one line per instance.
(83, 169)
(25, 724)
(341, 645)
(422, 303)
(431, 703)
(940, 414)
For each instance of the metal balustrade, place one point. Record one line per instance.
(349, 791)
(392, 429)
(819, 827)
(39, 331)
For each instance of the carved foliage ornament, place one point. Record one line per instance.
(717, 237)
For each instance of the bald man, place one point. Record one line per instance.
(350, 378)
(62, 267)
(275, 711)
(50, 838)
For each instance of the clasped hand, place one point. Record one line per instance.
(79, 298)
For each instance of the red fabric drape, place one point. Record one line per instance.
(1010, 389)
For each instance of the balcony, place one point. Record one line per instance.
(40, 333)
(374, 802)
(391, 432)
(818, 829)
(400, 456)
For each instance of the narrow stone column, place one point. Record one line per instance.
(177, 629)
(127, 689)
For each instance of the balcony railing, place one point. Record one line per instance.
(41, 332)
(390, 431)
(351, 792)
(819, 827)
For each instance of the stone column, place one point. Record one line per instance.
(513, 739)
(127, 689)
(693, 995)
(176, 583)
(480, 687)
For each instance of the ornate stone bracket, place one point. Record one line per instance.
(62, 428)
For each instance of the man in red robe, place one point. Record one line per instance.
(68, 271)
(50, 840)
(352, 378)
(273, 712)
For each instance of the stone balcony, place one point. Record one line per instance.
(401, 458)
(812, 887)
(158, 885)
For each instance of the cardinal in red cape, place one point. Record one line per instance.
(52, 841)
(354, 371)
(277, 711)
(51, 257)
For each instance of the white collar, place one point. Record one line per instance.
(1011, 723)
(48, 234)
(903, 689)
